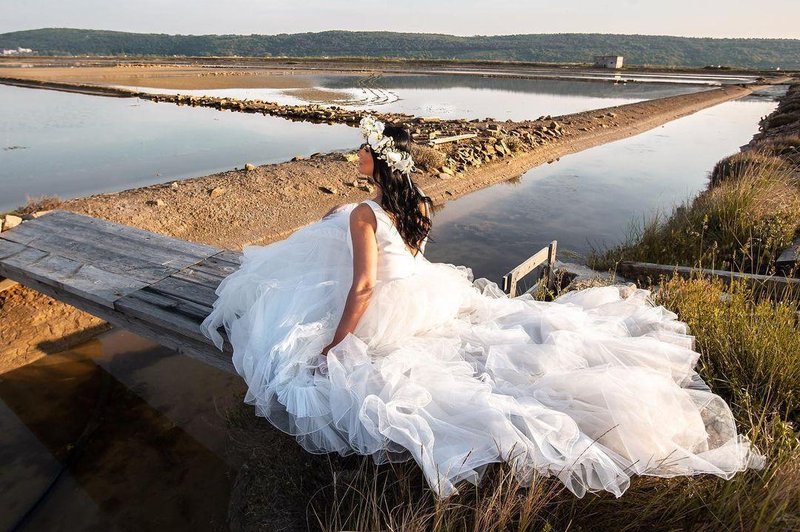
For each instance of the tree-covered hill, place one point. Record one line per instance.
(567, 48)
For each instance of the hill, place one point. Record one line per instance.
(556, 48)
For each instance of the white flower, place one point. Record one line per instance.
(384, 146)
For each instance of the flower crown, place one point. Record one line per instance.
(384, 146)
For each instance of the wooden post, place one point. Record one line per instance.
(545, 256)
(551, 265)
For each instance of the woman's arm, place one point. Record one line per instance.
(365, 270)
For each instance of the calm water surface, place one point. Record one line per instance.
(73, 145)
(452, 96)
(590, 199)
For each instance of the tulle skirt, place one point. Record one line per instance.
(591, 388)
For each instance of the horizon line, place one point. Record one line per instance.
(403, 32)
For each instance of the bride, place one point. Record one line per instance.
(350, 340)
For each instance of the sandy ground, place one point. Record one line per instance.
(235, 208)
(298, 83)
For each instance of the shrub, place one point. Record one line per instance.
(426, 157)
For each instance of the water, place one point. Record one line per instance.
(73, 145)
(590, 199)
(153, 455)
(452, 96)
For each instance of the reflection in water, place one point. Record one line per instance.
(590, 199)
(134, 430)
(74, 144)
(451, 96)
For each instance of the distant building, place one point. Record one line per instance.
(608, 61)
(17, 51)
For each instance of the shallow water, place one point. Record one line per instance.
(590, 199)
(73, 145)
(136, 432)
(451, 96)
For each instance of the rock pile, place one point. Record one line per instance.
(465, 143)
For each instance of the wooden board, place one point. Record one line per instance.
(185, 290)
(772, 284)
(105, 227)
(123, 275)
(24, 264)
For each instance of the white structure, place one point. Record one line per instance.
(18, 51)
(608, 61)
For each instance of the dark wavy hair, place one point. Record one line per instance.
(404, 202)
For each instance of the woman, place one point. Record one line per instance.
(353, 342)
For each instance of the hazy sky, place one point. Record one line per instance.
(696, 18)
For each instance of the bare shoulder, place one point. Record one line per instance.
(363, 213)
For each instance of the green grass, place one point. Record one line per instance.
(747, 216)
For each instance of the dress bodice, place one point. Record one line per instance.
(395, 261)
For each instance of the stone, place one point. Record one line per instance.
(367, 187)
(299, 158)
(328, 189)
(249, 167)
(11, 221)
(34, 215)
(217, 191)
(174, 185)
(156, 202)
(443, 175)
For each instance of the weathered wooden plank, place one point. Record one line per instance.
(185, 290)
(9, 248)
(221, 267)
(154, 248)
(196, 276)
(187, 313)
(233, 257)
(106, 227)
(66, 276)
(212, 271)
(511, 279)
(88, 253)
(195, 311)
(443, 140)
(178, 324)
(773, 284)
(205, 352)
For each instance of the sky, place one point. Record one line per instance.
(692, 18)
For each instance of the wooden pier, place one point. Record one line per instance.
(156, 286)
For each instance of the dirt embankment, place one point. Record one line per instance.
(266, 203)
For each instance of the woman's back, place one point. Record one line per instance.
(395, 259)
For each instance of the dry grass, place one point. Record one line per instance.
(38, 203)
(513, 142)
(426, 157)
(785, 146)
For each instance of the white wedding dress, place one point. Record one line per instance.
(592, 388)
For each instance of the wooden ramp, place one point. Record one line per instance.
(153, 285)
